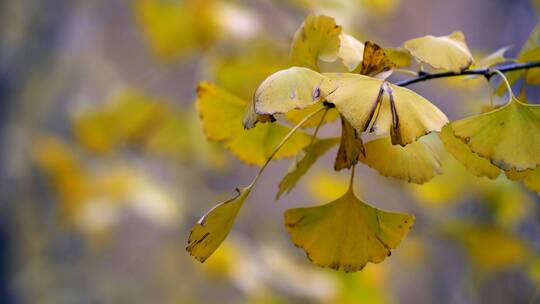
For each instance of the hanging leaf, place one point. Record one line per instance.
(508, 136)
(317, 38)
(350, 148)
(351, 51)
(477, 165)
(416, 162)
(212, 229)
(286, 90)
(375, 60)
(445, 52)
(532, 180)
(346, 233)
(304, 160)
(221, 114)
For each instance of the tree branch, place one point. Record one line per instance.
(487, 72)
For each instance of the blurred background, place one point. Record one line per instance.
(104, 166)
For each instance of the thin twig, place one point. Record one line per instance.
(486, 72)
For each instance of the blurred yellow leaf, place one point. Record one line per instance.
(494, 58)
(317, 38)
(399, 56)
(346, 233)
(445, 52)
(304, 160)
(416, 162)
(296, 116)
(173, 28)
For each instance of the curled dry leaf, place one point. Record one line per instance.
(375, 60)
(445, 52)
(212, 229)
(416, 162)
(346, 233)
(350, 148)
(508, 136)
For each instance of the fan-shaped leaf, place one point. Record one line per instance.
(286, 90)
(212, 229)
(416, 162)
(444, 52)
(346, 233)
(317, 38)
(477, 165)
(508, 136)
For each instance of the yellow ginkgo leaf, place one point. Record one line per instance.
(290, 89)
(221, 115)
(515, 175)
(346, 233)
(445, 52)
(296, 116)
(390, 109)
(475, 164)
(212, 229)
(375, 60)
(351, 51)
(350, 148)
(416, 162)
(304, 160)
(317, 38)
(508, 136)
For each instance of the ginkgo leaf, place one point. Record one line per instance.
(286, 90)
(375, 60)
(295, 116)
(407, 115)
(445, 52)
(515, 175)
(399, 56)
(475, 164)
(494, 58)
(351, 51)
(508, 136)
(390, 109)
(212, 229)
(356, 97)
(346, 233)
(221, 113)
(350, 148)
(317, 38)
(416, 162)
(304, 160)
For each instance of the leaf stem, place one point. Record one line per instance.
(283, 141)
(318, 126)
(484, 72)
(351, 182)
(508, 86)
